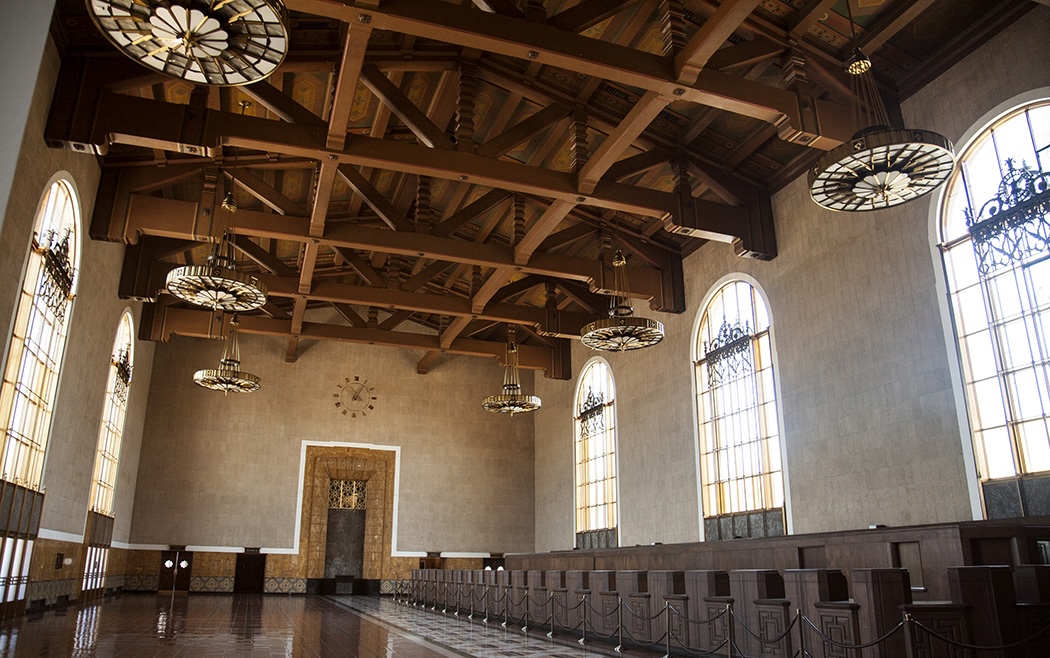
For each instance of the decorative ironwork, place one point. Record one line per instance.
(122, 362)
(347, 494)
(56, 286)
(1012, 227)
(592, 414)
(728, 356)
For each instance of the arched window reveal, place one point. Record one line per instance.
(596, 495)
(741, 474)
(995, 240)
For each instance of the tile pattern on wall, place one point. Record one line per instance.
(211, 584)
(137, 583)
(283, 586)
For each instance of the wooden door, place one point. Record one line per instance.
(250, 575)
(176, 568)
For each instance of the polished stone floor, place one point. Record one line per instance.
(140, 625)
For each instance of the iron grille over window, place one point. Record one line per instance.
(1013, 226)
(346, 494)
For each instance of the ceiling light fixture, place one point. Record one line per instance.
(880, 166)
(621, 331)
(511, 401)
(217, 284)
(221, 42)
(228, 377)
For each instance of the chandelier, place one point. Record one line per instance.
(216, 42)
(511, 401)
(228, 377)
(217, 285)
(621, 331)
(880, 166)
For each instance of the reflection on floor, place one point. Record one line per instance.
(142, 625)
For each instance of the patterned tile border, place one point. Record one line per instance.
(211, 584)
(284, 586)
(50, 590)
(141, 583)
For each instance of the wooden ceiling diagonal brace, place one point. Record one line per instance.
(823, 125)
(517, 134)
(710, 37)
(402, 107)
(281, 104)
(375, 200)
(142, 122)
(165, 321)
(587, 14)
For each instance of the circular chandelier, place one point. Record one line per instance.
(216, 285)
(880, 166)
(213, 42)
(512, 400)
(228, 377)
(621, 331)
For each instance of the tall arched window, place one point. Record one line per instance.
(995, 241)
(741, 475)
(30, 384)
(596, 491)
(112, 428)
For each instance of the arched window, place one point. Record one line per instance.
(995, 241)
(112, 428)
(596, 492)
(741, 475)
(41, 323)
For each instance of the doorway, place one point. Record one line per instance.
(250, 574)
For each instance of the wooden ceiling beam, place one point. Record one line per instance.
(470, 212)
(350, 315)
(360, 266)
(567, 235)
(751, 52)
(402, 107)
(425, 275)
(178, 219)
(168, 321)
(709, 38)
(266, 193)
(636, 164)
(627, 66)
(521, 132)
(395, 320)
(810, 16)
(889, 24)
(169, 124)
(262, 257)
(612, 148)
(375, 200)
(349, 72)
(586, 14)
(541, 229)
(284, 106)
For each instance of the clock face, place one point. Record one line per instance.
(355, 397)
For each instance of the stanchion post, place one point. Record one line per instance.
(527, 602)
(729, 629)
(619, 624)
(909, 638)
(667, 629)
(801, 633)
(550, 604)
(583, 616)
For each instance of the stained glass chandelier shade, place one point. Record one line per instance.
(228, 377)
(881, 166)
(217, 284)
(1013, 226)
(511, 400)
(622, 330)
(214, 42)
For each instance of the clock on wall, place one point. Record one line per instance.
(355, 397)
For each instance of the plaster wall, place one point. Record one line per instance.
(224, 471)
(870, 419)
(95, 316)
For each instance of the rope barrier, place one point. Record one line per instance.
(842, 645)
(760, 638)
(975, 647)
(406, 592)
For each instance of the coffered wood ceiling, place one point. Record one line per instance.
(424, 174)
